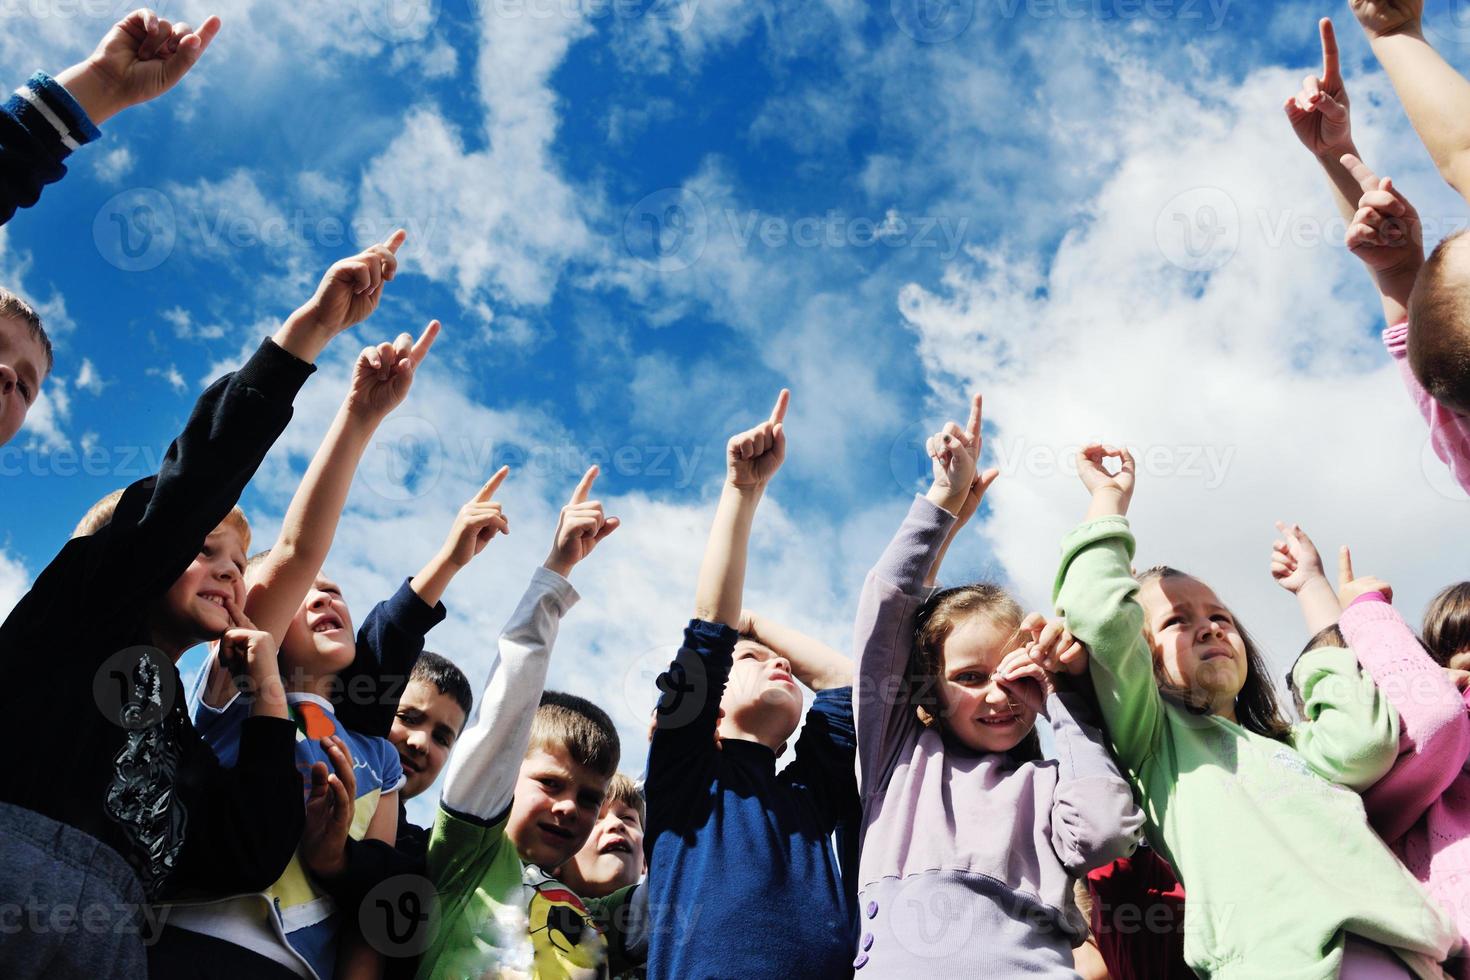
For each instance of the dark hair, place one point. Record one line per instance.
(579, 728)
(12, 307)
(933, 624)
(1329, 637)
(1257, 708)
(1447, 623)
(431, 668)
(1439, 335)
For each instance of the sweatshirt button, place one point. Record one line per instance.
(860, 962)
(872, 909)
(867, 942)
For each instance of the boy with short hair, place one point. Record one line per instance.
(95, 641)
(522, 793)
(141, 57)
(727, 830)
(612, 858)
(25, 361)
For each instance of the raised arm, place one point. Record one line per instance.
(815, 664)
(139, 59)
(1097, 595)
(1436, 728)
(1297, 567)
(1349, 733)
(1435, 96)
(481, 774)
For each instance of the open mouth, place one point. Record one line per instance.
(998, 721)
(781, 677)
(327, 624)
(616, 846)
(218, 598)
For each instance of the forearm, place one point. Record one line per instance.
(1319, 604)
(434, 578)
(816, 665)
(310, 524)
(1106, 502)
(93, 90)
(268, 697)
(932, 579)
(302, 337)
(722, 573)
(1436, 98)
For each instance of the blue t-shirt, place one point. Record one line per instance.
(308, 916)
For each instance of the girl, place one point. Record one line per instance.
(1421, 809)
(969, 838)
(1283, 875)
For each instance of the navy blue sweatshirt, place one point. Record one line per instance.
(39, 127)
(743, 880)
(388, 645)
(98, 719)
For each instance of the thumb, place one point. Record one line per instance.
(1344, 567)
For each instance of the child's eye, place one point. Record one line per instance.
(442, 740)
(1221, 618)
(1173, 621)
(25, 391)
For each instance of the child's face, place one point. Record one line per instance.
(1194, 638)
(762, 702)
(22, 369)
(612, 858)
(982, 714)
(424, 730)
(556, 803)
(194, 606)
(319, 640)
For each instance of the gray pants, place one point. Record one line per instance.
(69, 905)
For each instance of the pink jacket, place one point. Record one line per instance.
(1421, 809)
(1449, 432)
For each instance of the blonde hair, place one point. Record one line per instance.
(622, 789)
(576, 726)
(99, 515)
(12, 307)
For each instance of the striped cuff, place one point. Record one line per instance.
(41, 104)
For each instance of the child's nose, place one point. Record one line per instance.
(994, 694)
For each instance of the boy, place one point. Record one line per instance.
(95, 640)
(521, 795)
(139, 59)
(612, 858)
(728, 832)
(25, 361)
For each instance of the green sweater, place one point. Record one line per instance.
(1274, 851)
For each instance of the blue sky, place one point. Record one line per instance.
(638, 220)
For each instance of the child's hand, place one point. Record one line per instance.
(139, 59)
(579, 529)
(1118, 487)
(1350, 587)
(1052, 646)
(1319, 112)
(1294, 559)
(955, 454)
(1385, 232)
(352, 287)
(383, 374)
(754, 456)
(477, 522)
(1023, 679)
(329, 810)
(1380, 18)
(1460, 678)
(249, 654)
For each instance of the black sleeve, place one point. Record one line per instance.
(245, 823)
(826, 756)
(369, 864)
(388, 645)
(39, 127)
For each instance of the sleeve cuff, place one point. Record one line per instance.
(545, 580)
(274, 372)
(1396, 339)
(701, 635)
(1366, 597)
(67, 110)
(411, 612)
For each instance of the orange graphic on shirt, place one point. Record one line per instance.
(312, 721)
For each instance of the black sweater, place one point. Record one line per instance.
(100, 734)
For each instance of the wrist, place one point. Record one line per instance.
(93, 91)
(745, 493)
(951, 500)
(1412, 30)
(561, 566)
(1108, 502)
(302, 336)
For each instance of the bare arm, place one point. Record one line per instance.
(815, 664)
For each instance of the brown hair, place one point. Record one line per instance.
(1257, 708)
(99, 515)
(622, 789)
(1447, 623)
(12, 307)
(1330, 636)
(576, 726)
(1439, 317)
(933, 625)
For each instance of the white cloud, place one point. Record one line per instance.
(14, 581)
(45, 422)
(88, 379)
(171, 375)
(1268, 365)
(113, 165)
(184, 328)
